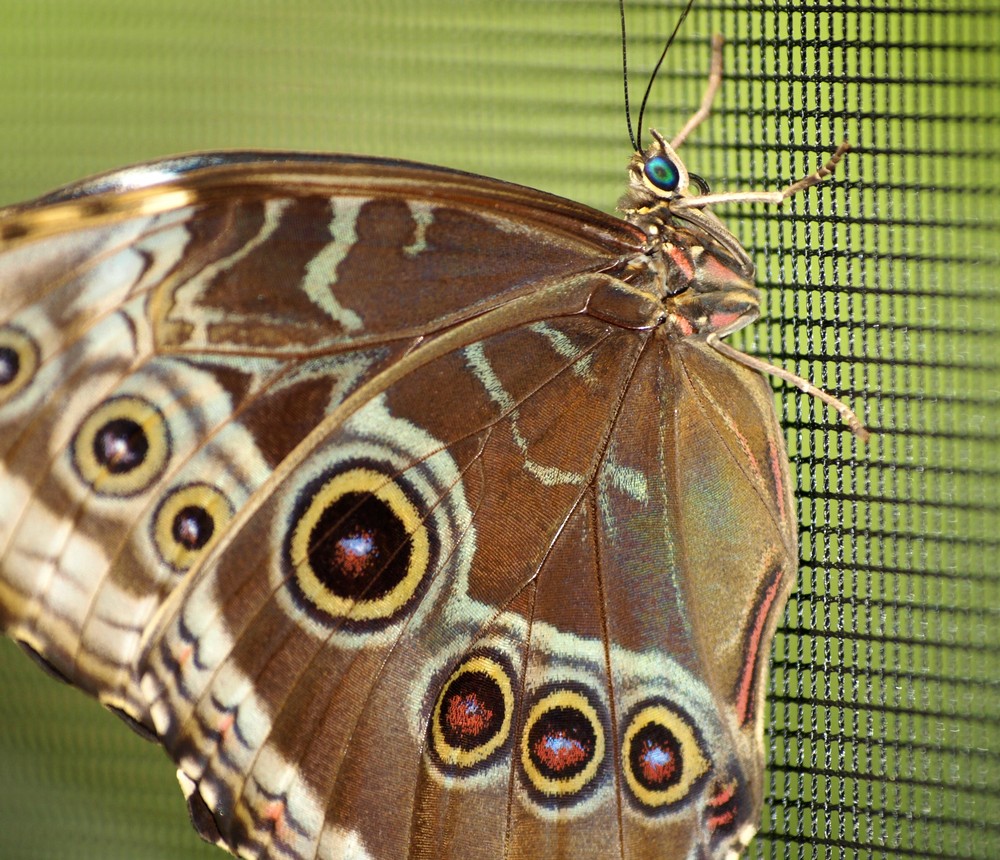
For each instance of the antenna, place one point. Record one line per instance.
(635, 141)
(628, 109)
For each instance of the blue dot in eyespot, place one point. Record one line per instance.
(662, 173)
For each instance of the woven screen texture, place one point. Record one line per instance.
(883, 722)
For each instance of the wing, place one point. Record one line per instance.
(197, 304)
(366, 489)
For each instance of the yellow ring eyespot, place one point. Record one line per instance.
(562, 746)
(359, 550)
(473, 714)
(18, 361)
(187, 520)
(122, 447)
(662, 756)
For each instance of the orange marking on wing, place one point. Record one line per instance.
(720, 800)
(724, 794)
(225, 723)
(717, 821)
(744, 445)
(275, 813)
(468, 715)
(744, 695)
(560, 751)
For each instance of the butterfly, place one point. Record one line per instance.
(415, 513)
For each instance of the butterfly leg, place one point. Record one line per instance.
(711, 89)
(847, 415)
(772, 198)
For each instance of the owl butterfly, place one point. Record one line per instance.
(416, 514)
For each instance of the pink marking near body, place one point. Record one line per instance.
(224, 724)
(681, 261)
(724, 321)
(681, 325)
(715, 270)
(744, 691)
(185, 654)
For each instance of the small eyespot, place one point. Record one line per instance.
(122, 447)
(662, 173)
(185, 523)
(562, 746)
(18, 361)
(473, 715)
(662, 755)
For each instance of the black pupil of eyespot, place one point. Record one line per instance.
(120, 445)
(359, 548)
(10, 363)
(192, 527)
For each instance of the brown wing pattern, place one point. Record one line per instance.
(341, 482)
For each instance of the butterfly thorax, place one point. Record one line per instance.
(693, 264)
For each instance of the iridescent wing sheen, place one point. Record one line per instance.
(390, 501)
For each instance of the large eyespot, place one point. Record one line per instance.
(359, 548)
(122, 446)
(473, 715)
(562, 746)
(186, 521)
(18, 361)
(662, 173)
(662, 755)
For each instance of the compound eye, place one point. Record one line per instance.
(662, 173)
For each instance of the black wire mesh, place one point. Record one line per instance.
(883, 720)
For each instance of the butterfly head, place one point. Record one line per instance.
(657, 175)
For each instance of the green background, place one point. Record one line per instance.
(884, 715)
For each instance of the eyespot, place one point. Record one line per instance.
(473, 714)
(18, 361)
(562, 746)
(662, 755)
(662, 173)
(358, 547)
(187, 521)
(122, 447)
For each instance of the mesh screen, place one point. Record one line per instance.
(883, 721)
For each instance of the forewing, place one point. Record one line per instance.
(211, 312)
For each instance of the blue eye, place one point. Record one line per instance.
(662, 173)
